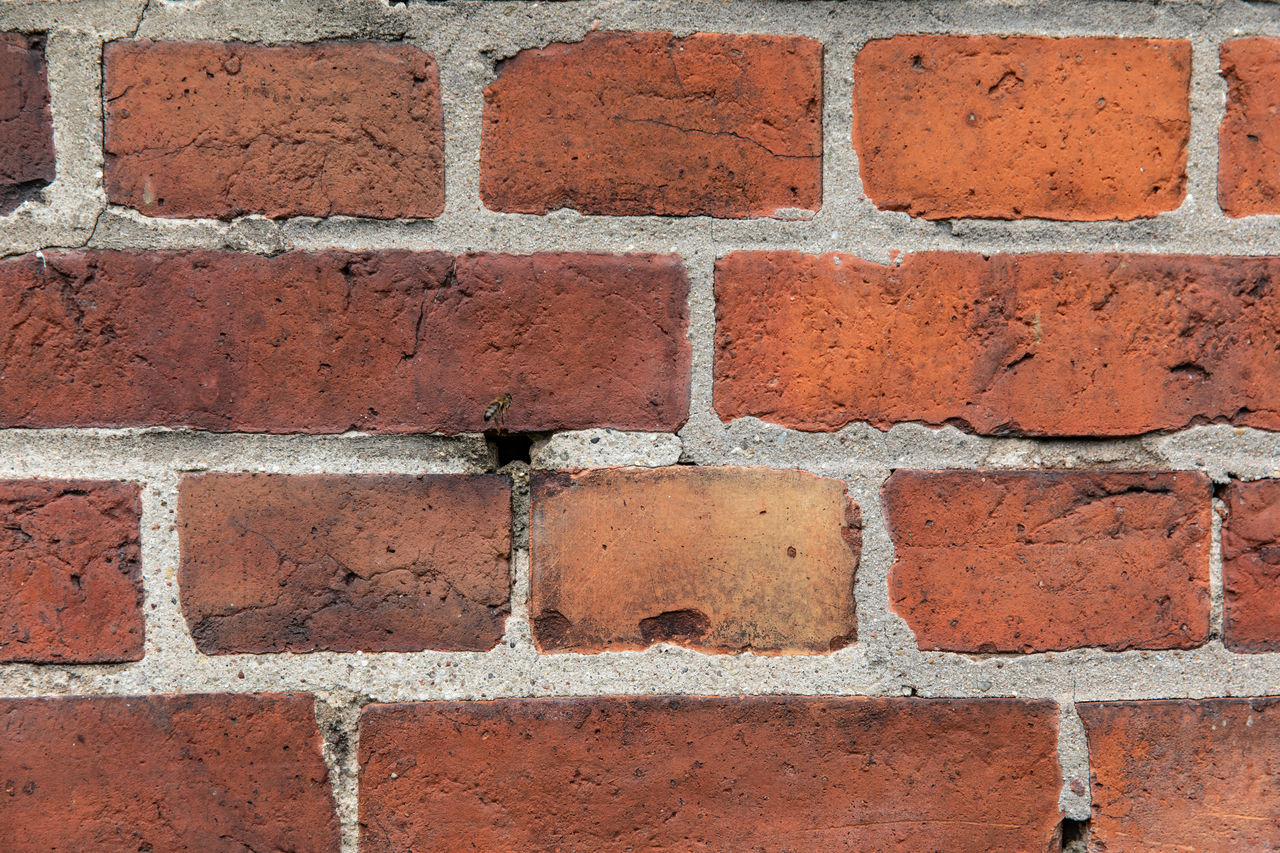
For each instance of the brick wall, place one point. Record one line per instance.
(639, 425)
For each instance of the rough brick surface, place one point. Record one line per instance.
(344, 563)
(216, 773)
(647, 123)
(1042, 560)
(222, 129)
(1251, 567)
(1001, 127)
(721, 559)
(70, 588)
(733, 774)
(26, 124)
(331, 341)
(1008, 344)
(1249, 138)
(1184, 775)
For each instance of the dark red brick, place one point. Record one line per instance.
(1065, 345)
(647, 123)
(991, 561)
(332, 341)
(730, 774)
(274, 563)
(220, 129)
(218, 773)
(1251, 567)
(26, 123)
(70, 587)
(1249, 137)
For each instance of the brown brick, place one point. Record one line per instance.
(647, 123)
(730, 774)
(70, 588)
(211, 773)
(998, 127)
(274, 563)
(1251, 567)
(1184, 774)
(215, 129)
(722, 559)
(1035, 561)
(1067, 345)
(332, 341)
(1249, 138)
(26, 124)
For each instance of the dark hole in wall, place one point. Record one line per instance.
(510, 448)
(1075, 835)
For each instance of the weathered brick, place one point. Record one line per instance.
(1054, 344)
(70, 588)
(1184, 774)
(647, 123)
(207, 772)
(1249, 138)
(1035, 561)
(216, 129)
(731, 774)
(331, 341)
(722, 559)
(999, 127)
(26, 123)
(274, 563)
(1251, 567)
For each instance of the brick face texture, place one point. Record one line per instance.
(1251, 567)
(1184, 775)
(70, 586)
(205, 129)
(344, 563)
(1036, 561)
(748, 773)
(331, 341)
(647, 123)
(1052, 344)
(1249, 138)
(204, 772)
(722, 559)
(26, 124)
(1008, 128)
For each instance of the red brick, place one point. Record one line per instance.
(1251, 567)
(720, 559)
(70, 588)
(1249, 138)
(1036, 561)
(274, 563)
(998, 127)
(647, 123)
(1184, 775)
(212, 773)
(732, 774)
(1065, 345)
(332, 341)
(26, 124)
(217, 129)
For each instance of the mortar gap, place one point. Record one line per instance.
(506, 448)
(1075, 835)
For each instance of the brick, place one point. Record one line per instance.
(683, 773)
(647, 123)
(1249, 137)
(719, 559)
(1184, 774)
(274, 563)
(206, 772)
(213, 129)
(1251, 566)
(998, 127)
(26, 123)
(1044, 560)
(332, 341)
(70, 587)
(1054, 344)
